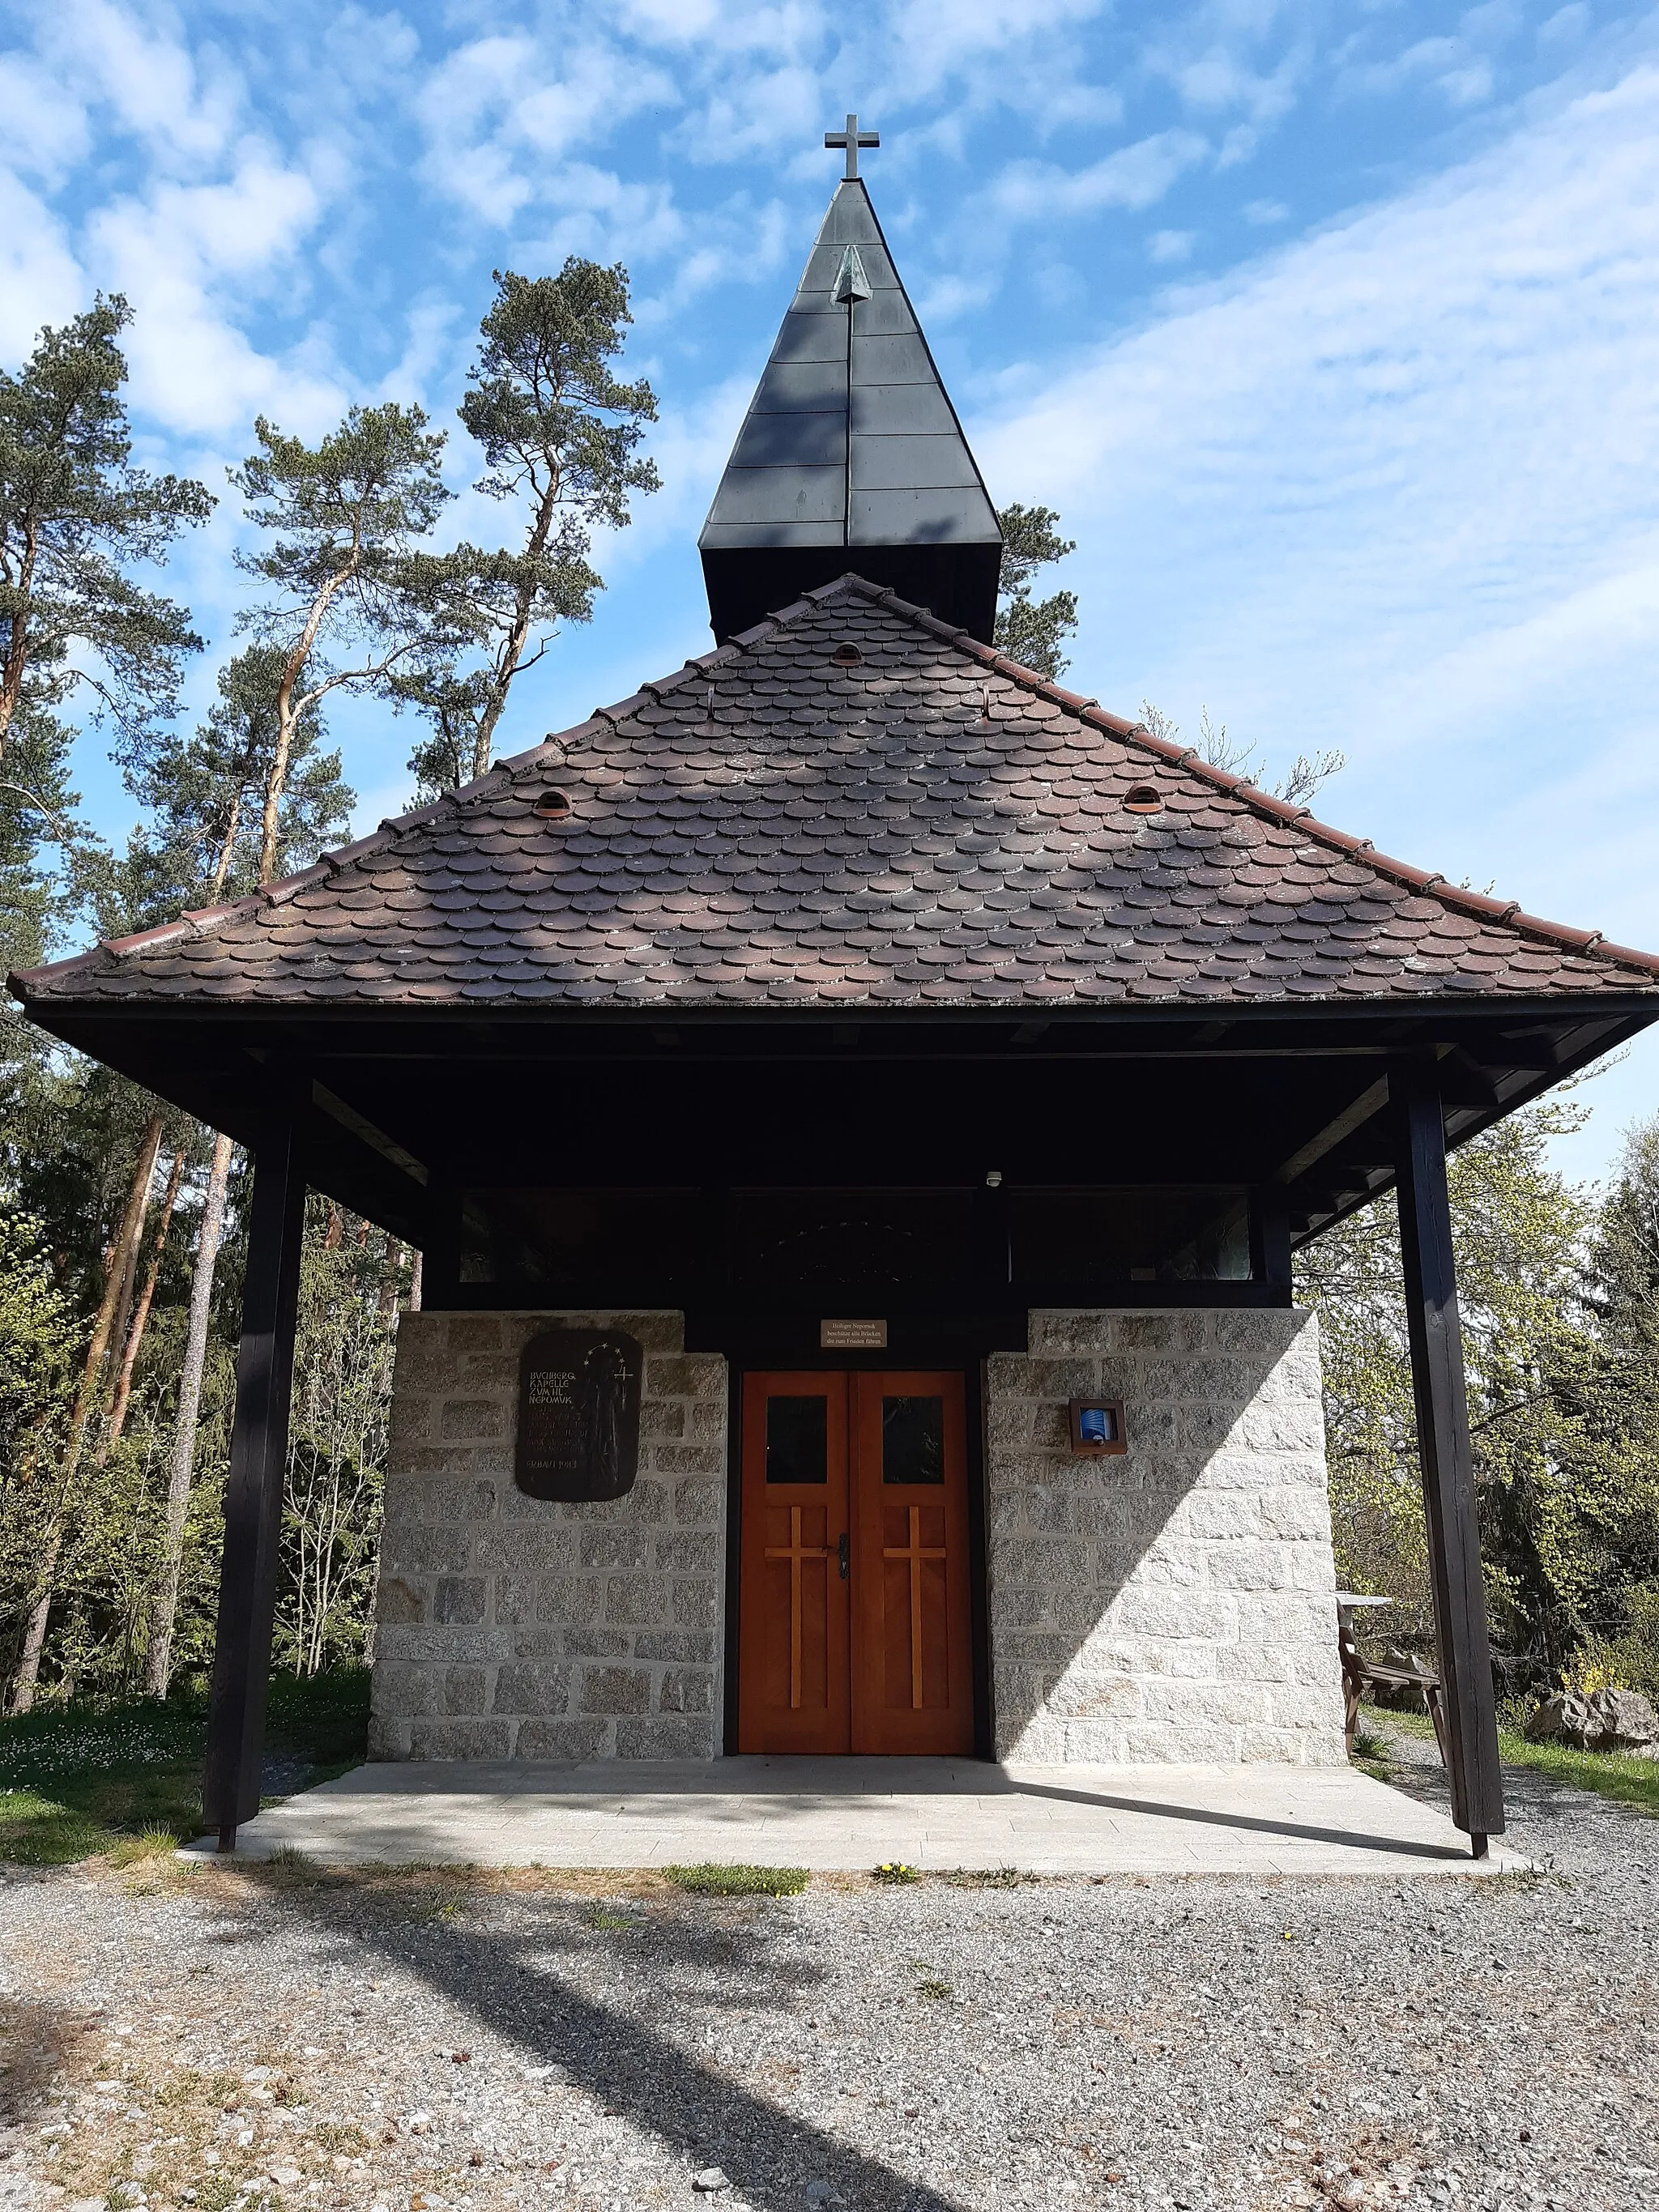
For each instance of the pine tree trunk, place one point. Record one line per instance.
(118, 1412)
(414, 1283)
(158, 1659)
(34, 1638)
(126, 1264)
(392, 1262)
(118, 1275)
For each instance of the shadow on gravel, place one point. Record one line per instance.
(35, 2041)
(510, 1985)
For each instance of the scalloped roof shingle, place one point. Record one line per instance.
(932, 826)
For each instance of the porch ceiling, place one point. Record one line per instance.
(398, 1105)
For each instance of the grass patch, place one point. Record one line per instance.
(738, 1881)
(1370, 1754)
(1627, 1780)
(39, 1831)
(896, 1872)
(1407, 1723)
(934, 1988)
(152, 1843)
(624, 1924)
(76, 1780)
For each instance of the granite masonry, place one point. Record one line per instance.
(510, 1628)
(1176, 1603)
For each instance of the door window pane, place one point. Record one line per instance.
(798, 1440)
(913, 1440)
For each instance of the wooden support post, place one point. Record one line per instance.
(1270, 1237)
(1443, 1437)
(441, 1246)
(253, 1492)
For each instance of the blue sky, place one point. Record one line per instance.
(1332, 330)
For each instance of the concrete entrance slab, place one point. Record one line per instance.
(850, 1814)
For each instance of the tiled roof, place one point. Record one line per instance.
(931, 826)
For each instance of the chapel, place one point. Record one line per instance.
(857, 1101)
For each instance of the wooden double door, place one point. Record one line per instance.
(855, 1619)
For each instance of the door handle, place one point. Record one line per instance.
(844, 1553)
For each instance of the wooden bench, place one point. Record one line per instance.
(1361, 1674)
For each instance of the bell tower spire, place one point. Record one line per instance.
(851, 456)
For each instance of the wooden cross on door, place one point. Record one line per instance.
(913, 1554)
(794, 1551)
(852, 138)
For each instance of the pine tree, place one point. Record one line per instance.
(1032, 631)
(343, 517)
(561, 437)
(75, 519)
(204, 795)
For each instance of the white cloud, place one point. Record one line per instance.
(932, 41)
(40, 279)
(1394, 489)
(779, 108)
(46, 128)
(1219, 78)
(501, 114)
(1461, 67)
(948, 297)
(1566, 26)
(186, 258)
(1171, 244)
(689, 446)
(148, 79)
(601, 214)
(790, 28)
(433, 348)
(1132, 177)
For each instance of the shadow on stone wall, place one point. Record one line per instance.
(1174, 1603)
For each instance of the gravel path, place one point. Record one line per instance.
(428, 2042)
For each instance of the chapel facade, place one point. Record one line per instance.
(856, 1101)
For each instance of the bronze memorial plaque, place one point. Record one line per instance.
(579, 1414)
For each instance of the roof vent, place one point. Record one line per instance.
(1142, 799)
(847, 654)
(554, 806)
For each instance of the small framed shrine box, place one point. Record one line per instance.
(1097, 1427)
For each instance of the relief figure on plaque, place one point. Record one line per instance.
(604, 1393)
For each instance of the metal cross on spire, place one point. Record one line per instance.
(852, 138)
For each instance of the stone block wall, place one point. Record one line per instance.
(510, 1628)
(1177, 1602)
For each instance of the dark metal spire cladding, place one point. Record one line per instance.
(851, 456)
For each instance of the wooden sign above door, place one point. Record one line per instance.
(853, 1336)
(579, 1414)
